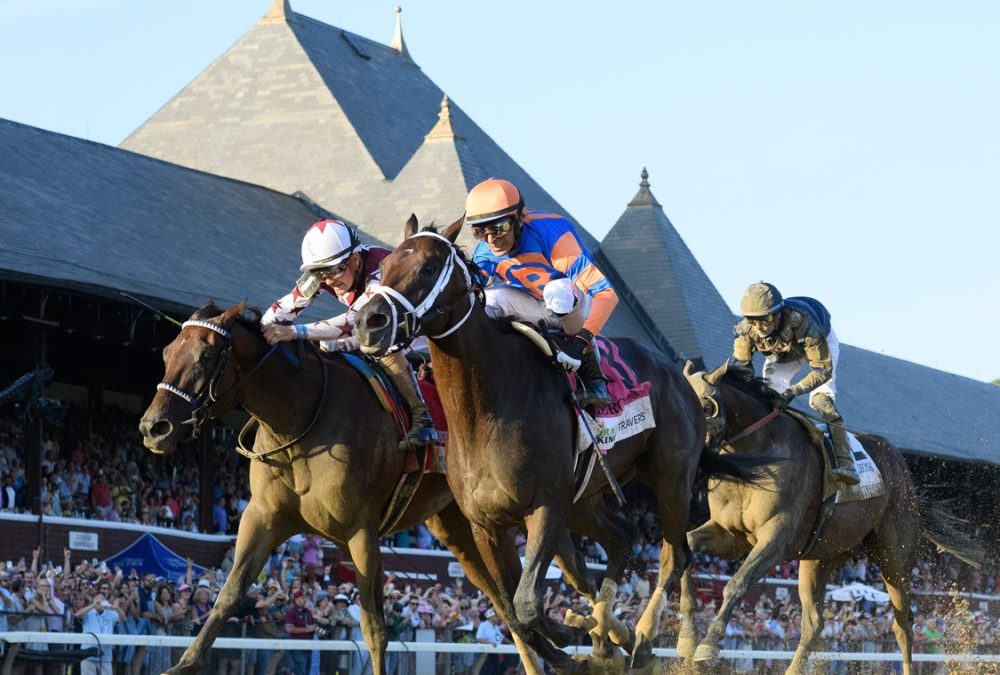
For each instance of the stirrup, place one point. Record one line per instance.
(846, 475)
(422, 432)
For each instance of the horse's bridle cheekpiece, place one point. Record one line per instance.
(414, 316)
(204, 400)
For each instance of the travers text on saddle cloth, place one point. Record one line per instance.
(630, 411)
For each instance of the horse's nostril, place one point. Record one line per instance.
(377, 321)
(160, 429)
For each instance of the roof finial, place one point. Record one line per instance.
(398, 43)
(644, 197)
(280, 12)
(443, 128)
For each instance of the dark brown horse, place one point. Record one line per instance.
(326, 460)
(511, 439)
(772, 522)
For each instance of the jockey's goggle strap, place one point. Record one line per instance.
(759, 320)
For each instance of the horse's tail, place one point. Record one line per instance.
(941, 528)
(747, 469)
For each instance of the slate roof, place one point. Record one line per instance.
(354, 125)
(92, 217)
(922, 410)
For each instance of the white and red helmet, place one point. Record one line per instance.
(327, 243)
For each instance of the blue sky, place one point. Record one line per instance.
(849, 151)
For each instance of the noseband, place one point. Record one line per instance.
(202, 402)
(411, 319)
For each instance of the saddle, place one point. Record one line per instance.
(833, 492)
(418, 461)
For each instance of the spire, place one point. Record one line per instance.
(443, 128)
(280, 12)
(644, 197)
(398, 43)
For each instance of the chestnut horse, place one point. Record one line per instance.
(325, 461)
(773, 522)
(511, 439)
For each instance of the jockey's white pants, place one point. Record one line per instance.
(565, 306)
(778, 375)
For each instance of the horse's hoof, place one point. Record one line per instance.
(686, 646)
(583, 623)
(642, 654)
(706, 653)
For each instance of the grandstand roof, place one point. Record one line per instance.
(89, 216)
(922, 410)
(356, 126)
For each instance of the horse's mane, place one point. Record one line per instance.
(249, 316)
(753, 387)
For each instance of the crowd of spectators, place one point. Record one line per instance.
(94, 466)
(299, 596)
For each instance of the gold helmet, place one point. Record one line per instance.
(491, 200)
(761, 299)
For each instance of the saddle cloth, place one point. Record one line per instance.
(630, 410)
(393, 403)
(871, 484)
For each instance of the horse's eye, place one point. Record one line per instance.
(428, 270)
(207, 356)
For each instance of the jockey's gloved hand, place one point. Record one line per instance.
(786, 397)
(576, 347)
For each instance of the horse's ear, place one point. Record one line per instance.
(713, 377)
(229, 316)
(451, 232)
(689, 369)
(410, 228)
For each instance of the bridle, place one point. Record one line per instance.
(712, 417)
(411, 319)
(202, 402)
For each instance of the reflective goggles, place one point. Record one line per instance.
(761, 320)
(332, 272)
(497, 229)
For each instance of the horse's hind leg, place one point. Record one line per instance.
(813, 575)
(894, 551)
(258, 535)
(453, 530)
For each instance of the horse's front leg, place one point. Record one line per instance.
(367, 558)
(772, 540)
(812, 592)
(453, 530)
(258, 535)
(710, 539)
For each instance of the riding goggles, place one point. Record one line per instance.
(761, 320)
(332, 272)
(497, 229)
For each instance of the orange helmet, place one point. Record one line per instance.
(492, 199)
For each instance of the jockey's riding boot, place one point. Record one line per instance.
(845, 472)
(421, 426)
(595, 389)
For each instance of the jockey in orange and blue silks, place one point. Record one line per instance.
(538, 270)
(335, 261)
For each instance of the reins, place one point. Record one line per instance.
(762, 422)
(261, 456)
